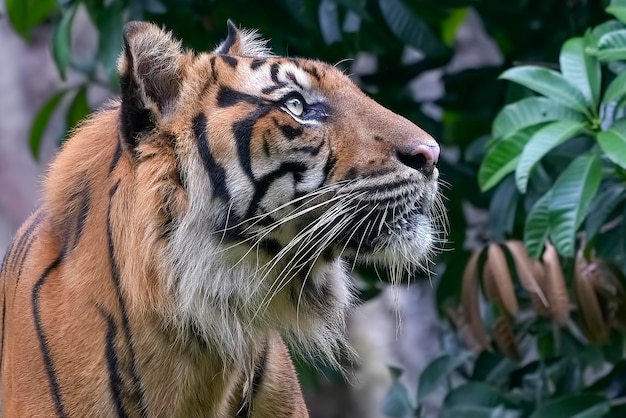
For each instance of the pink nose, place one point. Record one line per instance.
(422, 158)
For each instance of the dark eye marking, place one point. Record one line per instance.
(227, 97)
(270, 89)
(232, 61)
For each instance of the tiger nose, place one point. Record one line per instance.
(422, 158)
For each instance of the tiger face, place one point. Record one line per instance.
(287, 170)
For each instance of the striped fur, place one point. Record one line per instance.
(191, 229)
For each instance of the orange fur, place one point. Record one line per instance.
(138, 289)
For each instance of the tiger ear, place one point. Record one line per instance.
(242, 43)
(150, 69)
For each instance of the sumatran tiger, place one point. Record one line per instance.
(191, 231)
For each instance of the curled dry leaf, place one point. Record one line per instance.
(585, 275)
(525, 267)
(470, 304)
(456, 316)
(540, 274)
(505, 338)
(503, 283)
(556, 289)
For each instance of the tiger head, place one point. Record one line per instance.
(284, 169)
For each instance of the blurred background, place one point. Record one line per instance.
(525, 313)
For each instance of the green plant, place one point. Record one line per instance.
(557, 323)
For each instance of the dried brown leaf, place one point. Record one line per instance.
(496, 260)
(555, 289)
(526, 270)
(505, 338)
(470, 303)
(585, 275)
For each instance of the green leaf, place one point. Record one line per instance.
(582, 405)
(473, 394)
(397, 403)
(592, 37)
(26, 14)
(603, 204)
(79, 108)
(613, 143)
(450, 25)
(618, 9)
(110, 24)
(542, 142)
(409, 28)
(502, 159)
(572, 194)
(612, 46)
(437, 373)
(550, 84)
(616, 89)
(41, 121)
(528, 112)
(581, 69)
(466, 411)
(62, 41)
(537, 226)
(502, 209)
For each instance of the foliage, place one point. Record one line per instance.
(545, 167)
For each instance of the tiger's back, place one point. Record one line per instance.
(190, 228)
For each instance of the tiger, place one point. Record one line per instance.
(195, 230)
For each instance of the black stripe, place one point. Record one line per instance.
(116, 156)
(243, 135)
(55, 390)
(227, 97)
(18, 252)
(274, 72)
(289, 131)
(231, 61)
(294, 80)
(331, 162)
(257, 62)
(268, 90)
(216, 173)
(4, 331)
(115, 277)
(82, 215)
(115, 382)
(313, 72)
(5, 259)
(262, 185)
(213, 68)
(309, 149)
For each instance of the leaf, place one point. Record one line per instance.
(62, 41)
(603, 204)
(397, 403)
(616, 89)
(110, 24)
(436, 374)
(618, 9)
(41, 121)
(528, 112)
(572, 194)
(592, 36)
(409, 28)
(537, 226)
(451, 24)
(502, 208)
(26, 14)
(613, 143)
(502, 159)
(550, 84)
(473, 394)
(612, 46)
(465, 411)
(581, 69)
(542, 142)
(79, 108)
(582, 405)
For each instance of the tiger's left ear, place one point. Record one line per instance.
(151, 74)
(242, 43)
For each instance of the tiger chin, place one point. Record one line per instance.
(190, 230)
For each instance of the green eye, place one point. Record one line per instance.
(295, 106)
